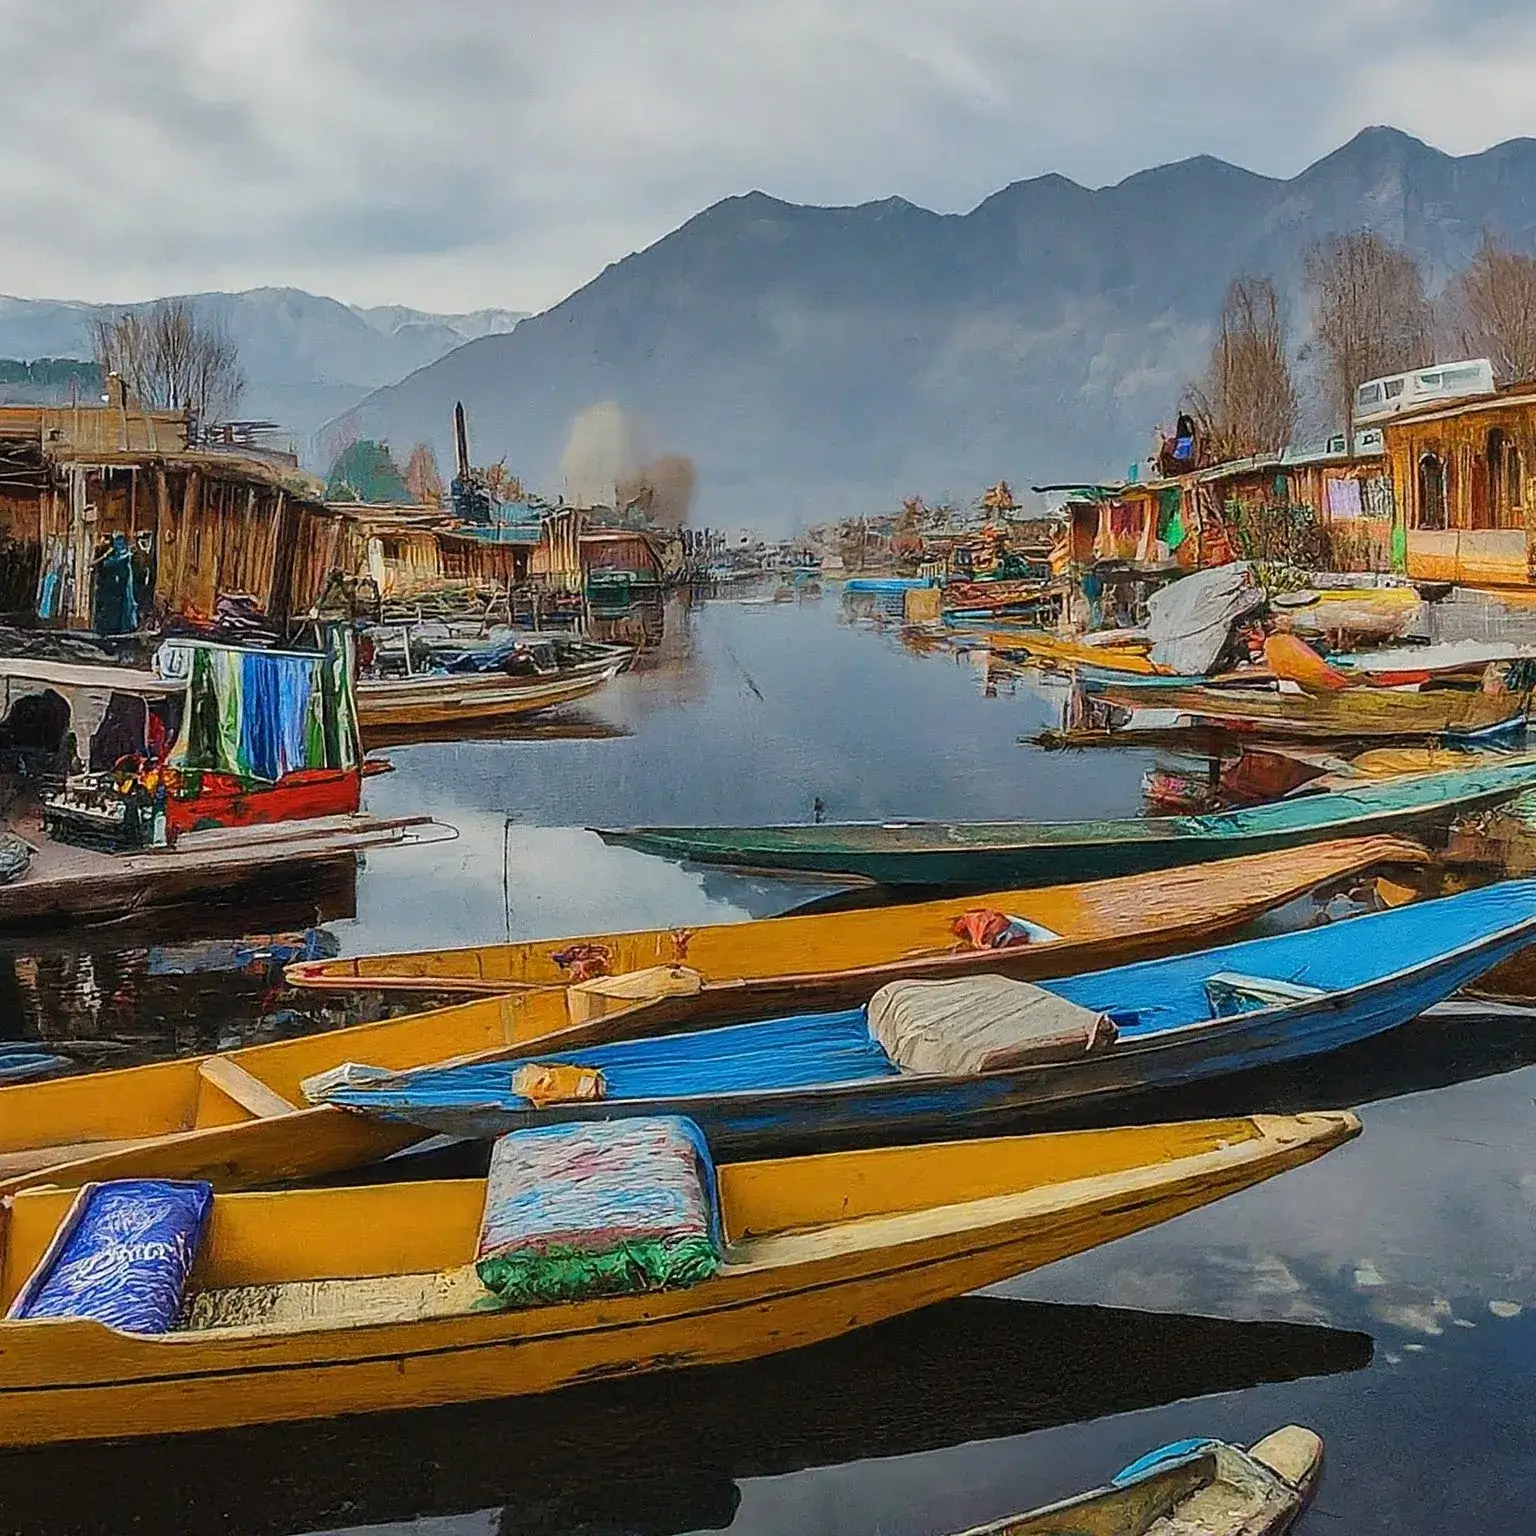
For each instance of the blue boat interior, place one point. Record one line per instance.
(1169, 993)
(836, 1049)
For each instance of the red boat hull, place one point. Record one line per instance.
(299, 796)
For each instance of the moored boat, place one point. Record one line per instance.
(393, 704)
(240, 1119)
(926, 1057)
(1404, 665)
(1350, 714)
(983, 855)
(1064, 654)
(837, 959)
(1190, 1488)
(308, 1303)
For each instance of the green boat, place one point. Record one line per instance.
(1002, 854)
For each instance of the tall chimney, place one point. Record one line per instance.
(460, 444)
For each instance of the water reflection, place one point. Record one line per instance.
(1418, 1235)
(163, 983)
(667, 1454)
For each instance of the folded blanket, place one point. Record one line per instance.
(597, 1209)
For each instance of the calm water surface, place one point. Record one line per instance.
(1384, 1296)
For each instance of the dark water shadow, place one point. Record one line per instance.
(664, 1454)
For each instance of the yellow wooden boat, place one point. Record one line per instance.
(1349, 714)
(1062, 654)
(838, 960)
(310, 1303)
(240, 1118)
(237, 1119)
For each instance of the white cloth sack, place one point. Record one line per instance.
(981, 1024)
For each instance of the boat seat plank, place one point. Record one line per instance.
(31, 1159)
(250, 1093)
(1232, 992)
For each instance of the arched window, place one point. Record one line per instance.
(1505, 492)
(1431, 508)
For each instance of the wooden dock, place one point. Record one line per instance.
(73, 885)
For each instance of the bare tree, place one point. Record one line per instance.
(1369, 313)
(502, 484)
(1246, 403)
(171, 360)
(1491, 310)
(422, 477)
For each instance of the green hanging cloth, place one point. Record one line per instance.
(1399, 547)
(1170, 517)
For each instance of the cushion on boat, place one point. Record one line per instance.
(598, 1209)
(121, 1256)
(981, 1024)
(987, 928)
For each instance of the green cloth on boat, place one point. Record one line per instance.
(570, 1274)
(1170, 517)
(258, 715)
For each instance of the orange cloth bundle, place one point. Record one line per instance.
(1295, 660)
(984, 928)
(551, 1083)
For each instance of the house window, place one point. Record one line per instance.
(1503, 471)
(392, 549)
(1431, 507)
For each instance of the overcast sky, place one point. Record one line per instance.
(463, 153)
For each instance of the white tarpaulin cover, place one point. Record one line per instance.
(1191, 619)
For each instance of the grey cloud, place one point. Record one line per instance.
(502, 153)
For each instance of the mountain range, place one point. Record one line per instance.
(823, 361)
(307, 358)
(818, 362)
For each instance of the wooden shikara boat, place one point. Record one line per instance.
(840, 959)
(1190, 1488)
(787, 1083)
(351, 1300)
(1060, 653)
(1350, 714)
(438, 698)
(1402, 665)
(1375, 614)
(238, 1118)
(991, 855)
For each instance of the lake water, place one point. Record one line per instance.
(1385, 1295)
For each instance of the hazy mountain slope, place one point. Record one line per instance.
(820, 360)
(307, 357)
